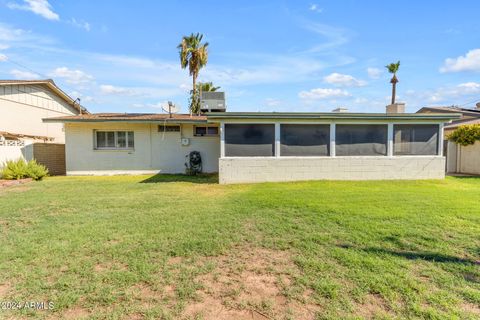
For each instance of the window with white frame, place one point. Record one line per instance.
(114, 140)
(361, 140)
(415, 139)
(201, 131)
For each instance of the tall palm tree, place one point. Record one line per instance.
(194, 55)
(393, 69)
(206, 87)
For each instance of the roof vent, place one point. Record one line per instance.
(211, 101)
(340, 110)
(478, 106)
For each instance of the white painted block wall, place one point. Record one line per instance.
(253, 170)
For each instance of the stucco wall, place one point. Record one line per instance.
(251, 170)
(469, 159)
(22, 108)
(153, 151)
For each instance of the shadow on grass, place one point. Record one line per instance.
(200, 179)
(426, 256)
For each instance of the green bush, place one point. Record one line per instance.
(35, 170)
(465, 135)
(14, 170)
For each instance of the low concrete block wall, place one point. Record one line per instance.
(253, 170)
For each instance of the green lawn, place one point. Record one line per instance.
(179, 247)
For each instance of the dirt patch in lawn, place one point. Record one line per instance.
(373, 307)
(4, 289)
(9, 183)
(110, 266)
(471, 308)
(76, 313)
(249, 283)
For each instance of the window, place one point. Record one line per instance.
(361, 140)
(304, 140)
(249, 140)
(205, 131)
(415, 139)
(168, 128)
(114, 140)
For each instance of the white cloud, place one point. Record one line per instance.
(323, 93)
(315, 8)
(469, 88)
(19, 74)
(3, 57)
(109, 89)
(374, 73)
(343, 80)
(468, 62)
(4, 46)
(72, 76)
(446, 95)
(39, 7)
(80, 24)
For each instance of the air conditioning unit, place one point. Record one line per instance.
(212, 101)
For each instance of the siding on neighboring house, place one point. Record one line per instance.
(154, 151)
(23, 106)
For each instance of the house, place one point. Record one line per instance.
(23, 134)
(468, 116)
(459, 159)
(258, 147)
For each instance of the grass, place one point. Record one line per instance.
(178, 247)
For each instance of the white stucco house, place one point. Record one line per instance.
(257, 147)
(23, 105)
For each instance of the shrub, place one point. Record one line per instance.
(35, 170)
(465, 135)
(14, 170)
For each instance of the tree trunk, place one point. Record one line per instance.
(194, 80)
(394, 89)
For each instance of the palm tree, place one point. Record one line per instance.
(194, 55)
(206, 87)
(393, 69)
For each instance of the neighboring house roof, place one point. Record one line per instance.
(330, 115)
(50, 84)
(462, 122)
(130, 117)
(20, 135)
(465, 112)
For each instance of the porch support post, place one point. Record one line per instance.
(333, 130)
(440, 139)
(390, 140)
(277, 139)
(222, 139)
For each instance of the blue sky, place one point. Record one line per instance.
(267, 55)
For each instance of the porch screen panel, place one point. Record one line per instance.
(361, 140)
(304, 139)
(249, 140)
(415, 139)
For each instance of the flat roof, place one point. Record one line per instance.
(219, 116)
(332, 115)
(130, 117)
